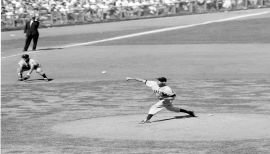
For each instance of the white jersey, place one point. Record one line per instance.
(31, 64)
(161, 92)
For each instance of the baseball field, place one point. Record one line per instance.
(218, 64)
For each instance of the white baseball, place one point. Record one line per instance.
(103, 72)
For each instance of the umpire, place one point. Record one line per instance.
(31, 31)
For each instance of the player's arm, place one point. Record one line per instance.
(136, 79)
(20, 71)
(30, 71)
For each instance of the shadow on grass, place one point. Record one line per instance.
(176, 117)
(50, 48)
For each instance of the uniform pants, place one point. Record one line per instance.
(165, 103)
(38, 69)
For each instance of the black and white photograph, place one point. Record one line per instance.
(135, 76)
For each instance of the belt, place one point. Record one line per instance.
(172, 97)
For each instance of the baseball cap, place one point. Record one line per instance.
(162, 79)
(25, 56)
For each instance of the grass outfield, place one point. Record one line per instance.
(219, 70)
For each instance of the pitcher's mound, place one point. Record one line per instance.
(217, 127)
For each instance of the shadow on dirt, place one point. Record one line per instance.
(176, 117)
(37, 80)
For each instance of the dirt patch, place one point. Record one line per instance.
(166, 127)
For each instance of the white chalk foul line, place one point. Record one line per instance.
(153, 31)
(164, 30)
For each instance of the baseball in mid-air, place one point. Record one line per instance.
(103, 72)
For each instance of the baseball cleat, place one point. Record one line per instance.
(145, 121)
(20, 79)
(191, 113)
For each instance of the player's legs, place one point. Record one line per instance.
(40, 71)
(153, 110)
(156, 107)
(20, 71)
(191, 113)
(169, 106)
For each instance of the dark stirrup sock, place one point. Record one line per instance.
(185, 111)
(149, 116)
(44, 75)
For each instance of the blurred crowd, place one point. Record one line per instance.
(102, 8)
(11, 7)
(69, 10)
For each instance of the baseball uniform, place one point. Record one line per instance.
(31, 64)
(165, 95)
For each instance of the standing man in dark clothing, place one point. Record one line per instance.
(31, 31)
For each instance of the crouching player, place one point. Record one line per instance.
(28, 64)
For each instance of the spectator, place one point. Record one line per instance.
(227, 4)
(102, 10)
(136, 7)
(170, 6)
(93, 8)
(31, 31)
(3, 11)
(153, 7)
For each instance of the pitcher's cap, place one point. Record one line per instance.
(162, 79)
